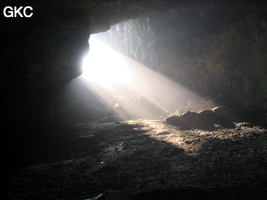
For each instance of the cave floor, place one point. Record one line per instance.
(148, 159)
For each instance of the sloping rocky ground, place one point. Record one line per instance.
(144, 160)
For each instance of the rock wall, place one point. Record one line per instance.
(213, 54)
(38, 57)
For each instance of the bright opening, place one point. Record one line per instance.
(105, 66)
(129, 90)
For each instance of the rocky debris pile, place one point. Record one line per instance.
(205, 119)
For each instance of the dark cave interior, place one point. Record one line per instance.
(121, 99)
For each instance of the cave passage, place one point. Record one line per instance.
(193, 57)
(128, 89)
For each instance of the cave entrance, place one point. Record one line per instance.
(122, 79)
(126, 88)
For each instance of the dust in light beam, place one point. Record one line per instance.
(119, 80)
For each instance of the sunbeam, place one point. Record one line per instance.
(131, 90)
(104, 66)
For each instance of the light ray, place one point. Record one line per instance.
(104, 65)
(128, 87)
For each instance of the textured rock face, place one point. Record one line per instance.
(41, 54)
(227, 62)
(205, 50)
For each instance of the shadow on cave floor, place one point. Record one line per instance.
(141, 160)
